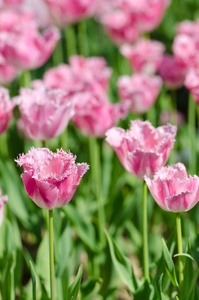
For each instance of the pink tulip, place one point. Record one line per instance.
(192, 83)
(24, 47)
(168, 116)
(50, 179)
(145, 56)
(188, 27)
(120, 26)
(172, 72)
(3, 200)
(7, 72)
(173, 190)
(66, 11)
(6, 108)
(142, 149)
(12, 2)
(128, 19)
(152, 14)
(12, 20)
(45, 113)
(82, 74)
(140, 90)
(94, 115)
(186, 50)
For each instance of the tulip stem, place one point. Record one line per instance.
(145, 232)
(179, 242)
(96, 175)
(25, 79)
(51, 255)
(70, 39)
(192, 135)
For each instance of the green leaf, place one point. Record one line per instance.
(90, 288)
(42, 262)
(33, 275)
(85, 229)
(145, 291)
(73, 289)
(169, 265)
(8, 288)
(188, 289)
(122, 265)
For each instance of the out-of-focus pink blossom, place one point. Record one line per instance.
(66, 11)
(173, 190)
(192, 83)
(7, 72)
(11, 3)
(50, 179)
(121, 27)
(94, 114)
(188, 27)
(140, 90)
(128, 19)
(186, 50)
(3, 200)
(80, 75)
(142, 149)
(22, 45)
(171, 117)
(152, 14)
(45, 113)
(172, 72)
(6, 108)
(145, 56)
(12, 20)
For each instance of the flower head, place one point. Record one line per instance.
(45, 113)
(3, 200)
(142, 149)
(140, 90)
(192, 83)
(50, 179)
(6, 108)
(145, 56)
(172, 189)
(94, 114)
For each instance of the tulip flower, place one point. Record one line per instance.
(79, 75)
(94, 114)
(145, 56)
(142, 149)
(50, 180)
(172, 72)
(192, 83)
(66, 11)
(172, 189)
(7, 71)
(6, 108)
(45, 113)
(22, 45)
(3, 200)
(140, 90)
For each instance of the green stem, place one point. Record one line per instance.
(96, 175)
(57, 55)
(70, 39)
(25, 79)
(145, 232)
(51, 255)
(192, 134)
(179, 243)
(82, 38)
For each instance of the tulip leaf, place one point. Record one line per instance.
(145, 291)
(33, 275)
(122, 265)
(90, 288)
(85, 230)
(73, 289)
(188, 289)
(169, 265)
(8, 289)
(42, 262)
